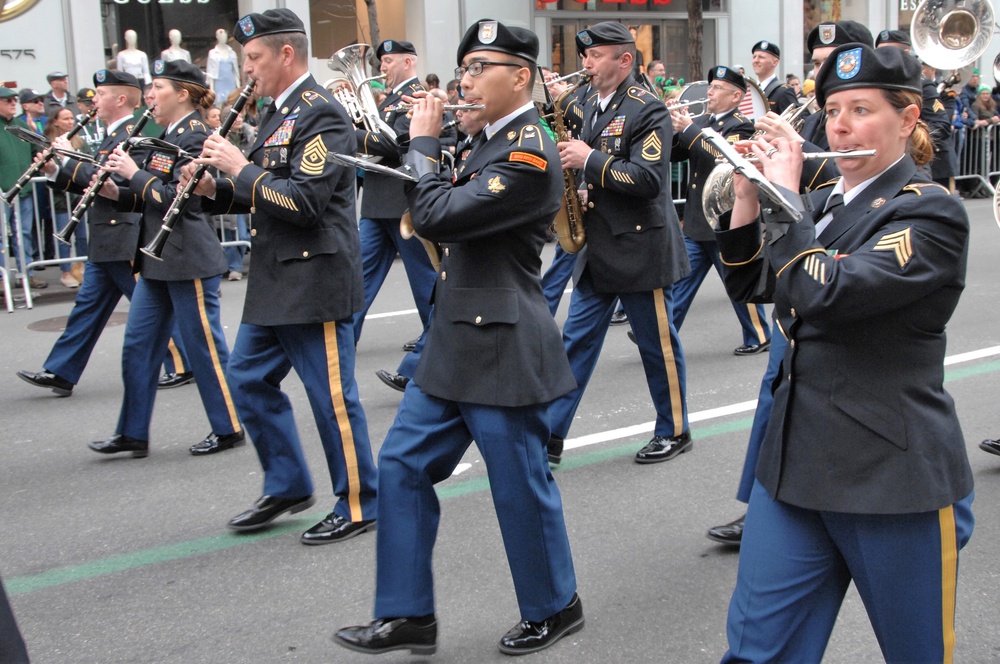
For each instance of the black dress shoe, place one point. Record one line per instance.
(631, 337)
(555, 449)
(752, 349)
(175, 380)
(619, 317)
(410, 345)
(267, 509)
(418, 635)
(335, 528)
(120, 443)
(991, 446)
(43, 378)
(527, 637)
(731, 533)
(664, 449)
(394, 380)
(214, 443)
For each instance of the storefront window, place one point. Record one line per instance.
(831, 11)
(334, 25)
(630, 6)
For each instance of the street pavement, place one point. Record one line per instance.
(128, 560)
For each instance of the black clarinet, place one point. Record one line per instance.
(155, 247)
(36, 168)
(66, 234)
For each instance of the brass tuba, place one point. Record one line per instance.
(951, 34)
(569, 220)
(718, 193)
(351, 63)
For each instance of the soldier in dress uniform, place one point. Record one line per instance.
(383, 203)
(725, 91)
(933, 112)
(113, 242)
(765, 58)
(183, 286)
(492, 362)
(305, 286)
(863, 474)
(634, 250)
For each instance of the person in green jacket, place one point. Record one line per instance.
(15, 160)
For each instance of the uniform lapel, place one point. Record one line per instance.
(873, 197)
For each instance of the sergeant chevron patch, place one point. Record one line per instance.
(898, 243)
(652, 147)
(314, 157)
(815, 268)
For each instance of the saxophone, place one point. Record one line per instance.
(568, 223)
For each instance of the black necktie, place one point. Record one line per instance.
(271, 110)
(834, 204)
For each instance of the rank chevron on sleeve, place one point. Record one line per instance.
(899, 243)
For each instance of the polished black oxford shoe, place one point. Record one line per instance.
(120, 443)
(991, 446)
(214, 443)
(394, 380)
(267, 509)
(47, 379)
(752, 349)
(555, 449)
(418, 635)
(731, 533)
(174, 380)
(664, 449)
(411, 345)
(335, 528)
(631, 337)
(619, 317)
(527, 636)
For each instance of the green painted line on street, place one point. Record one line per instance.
(21, 585)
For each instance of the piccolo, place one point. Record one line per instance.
(155, 247)
(48, 155)
(66, 234)
(842, 154)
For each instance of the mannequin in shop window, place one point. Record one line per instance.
(223, 67)
(133, 61)
(174, 51)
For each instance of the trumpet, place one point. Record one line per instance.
(49, 153)
(155, 247)
(807, 156)
(685, 104)
(582, 72)
(66, 234)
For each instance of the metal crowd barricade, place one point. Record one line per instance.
(7, 295)
(980, 157)
(41, 237)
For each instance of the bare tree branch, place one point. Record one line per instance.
(696, 31)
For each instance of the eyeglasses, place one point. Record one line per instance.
(476, 68)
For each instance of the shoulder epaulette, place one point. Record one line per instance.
(917, 187)
(742, 118)
(196, 124)
(828, 183)
(309, 96)
(639, 93)
(530, 134)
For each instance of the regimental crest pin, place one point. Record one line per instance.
(584, 38)
(487, 31)
(827, 33)
(878, 202)
(247, 26)
(848, 64)
(511, 135)
(158, 67)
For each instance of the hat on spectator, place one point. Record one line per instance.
(6, 93)
(86, 95)
(56, 75)
(27, 95)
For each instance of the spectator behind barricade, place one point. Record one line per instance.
(15, 158)
(235, 226)
(93, 131)
(984, 108)
(33, 107)
(452, 91)
(971, 89)
(796, 84)
(808, 88)
(433, 82)
(60, 122)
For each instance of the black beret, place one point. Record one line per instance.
(179, 70)
(728, 75)
(893, 37)
(607, 32)
(390, 46)
(769, 47)
(861, 66)
(115, 77)
(838, 34)
(490, 35)
(269, 22)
